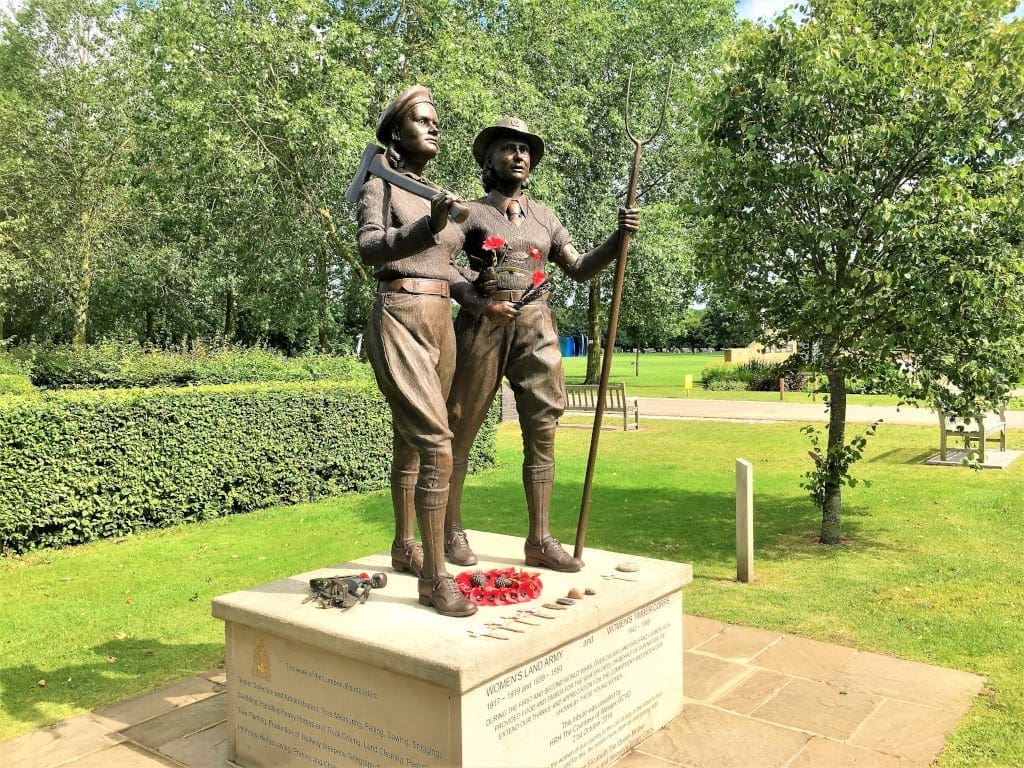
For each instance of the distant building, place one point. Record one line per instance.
(757, 351)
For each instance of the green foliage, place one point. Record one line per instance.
(755, 375)
(14, 384)
(832, 468)
(78, 466)
(219, 139)
(862, 191)
(14, 361)
(117, 364)
(726, 377)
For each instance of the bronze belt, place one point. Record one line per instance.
(512, 296)
(415, 285)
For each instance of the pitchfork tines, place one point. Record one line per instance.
(664, 107)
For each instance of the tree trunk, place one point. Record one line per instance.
(150, 326)
(229, 315)
(80, 308)
(324, 310)
(831, 509)
(594, 330)
(636, 365)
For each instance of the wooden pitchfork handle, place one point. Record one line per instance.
(613, 316)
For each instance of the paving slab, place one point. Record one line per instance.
(750, 693)
(180, 722)
(705, 737)
(206, 749)
(907, 730)
(933, 686)
(122, 756)
(58, 744)
(825, 753)
(697, 630)
(740, 643)
(637, 759)
(993, 459)
(706, 677)
(819, 708)
(147, 706)
(805, 658)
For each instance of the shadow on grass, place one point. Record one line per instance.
(899, 456)
(668, 523)
(118, 668)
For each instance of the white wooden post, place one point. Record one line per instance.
(744, 521)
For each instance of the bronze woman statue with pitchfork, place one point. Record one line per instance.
(509, 239)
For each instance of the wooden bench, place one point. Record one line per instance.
(582, 398)
(981, 428)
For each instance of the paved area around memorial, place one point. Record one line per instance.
(753, 699)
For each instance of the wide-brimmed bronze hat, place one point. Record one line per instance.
(389, 118)
(507, 126)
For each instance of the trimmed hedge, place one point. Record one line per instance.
(78, 466)
(115, 364)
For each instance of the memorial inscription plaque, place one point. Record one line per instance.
(588, 702)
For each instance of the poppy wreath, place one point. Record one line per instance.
(502, 586)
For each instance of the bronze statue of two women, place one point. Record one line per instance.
(440, 380)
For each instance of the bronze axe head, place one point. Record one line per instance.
(374, 163)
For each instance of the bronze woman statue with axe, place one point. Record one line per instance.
(410, 340)
(508, 240)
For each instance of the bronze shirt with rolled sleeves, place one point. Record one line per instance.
(525, 351)
(410, 340)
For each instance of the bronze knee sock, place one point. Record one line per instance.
(430, 504)
(403, 500)
(453, 510)
(537, 483)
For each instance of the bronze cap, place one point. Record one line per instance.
(389, 118)
(511, 126)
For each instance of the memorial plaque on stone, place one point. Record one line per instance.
(391, 683)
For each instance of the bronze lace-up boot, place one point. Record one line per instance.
(436, 587)
(456, 544)
(443, 595)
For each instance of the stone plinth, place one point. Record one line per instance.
(389, 682)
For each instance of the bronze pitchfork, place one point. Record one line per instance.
(613, 316)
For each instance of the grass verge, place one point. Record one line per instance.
(662, 374)
(928, 570)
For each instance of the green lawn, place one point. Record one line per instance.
(930, 570)
(662, 374)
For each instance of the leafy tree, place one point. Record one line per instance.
(862, 190)
(659, 279)
(263, 98)
(722, 327)
(65, 138)
(175, 169)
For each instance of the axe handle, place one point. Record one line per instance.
(379, 167)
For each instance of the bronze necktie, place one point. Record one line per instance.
(515, 213)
